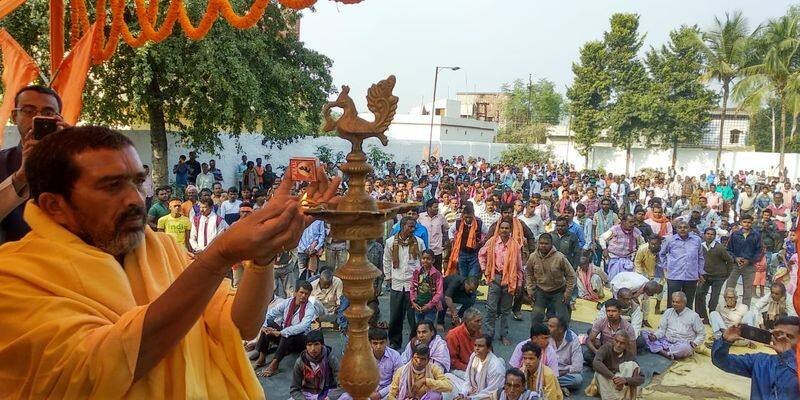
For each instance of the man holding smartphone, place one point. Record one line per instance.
(773, 376)
(29, 102)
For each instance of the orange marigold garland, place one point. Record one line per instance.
(147, 16)
(297, 4)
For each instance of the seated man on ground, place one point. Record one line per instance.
(315, 371)
(326, 292)
(731, 313)
(590, 281)
(680, 332)
(617, 375)
(388, 359)
(459, 290)
(769, 309)
(603, 329)
(540, 335)
(773, 376)
(630, 311)
(419, 378)
(426, 335)
(290, 335)
(538, 378)
(514, 387)
(484, 374)
(461, 341)
(570, 356)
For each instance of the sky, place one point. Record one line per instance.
(492, 41)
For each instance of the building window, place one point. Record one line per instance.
(735, 134)
(440, 112)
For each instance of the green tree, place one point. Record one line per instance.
(534, 102)
(681, 110)
(629, 107)
(525, 154)
(326, 155)
(725, 46)
(588, 96)
(534, 133)
(774, 71)
(235, 81)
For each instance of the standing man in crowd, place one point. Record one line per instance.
(746, 247)
(501, 263)
(550, 281)
(437, 229)
(206, 225)
(718, 267)
(684, 261)
(401, 256)
(619, 245)
(466, 236)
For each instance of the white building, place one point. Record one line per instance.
(448, 125)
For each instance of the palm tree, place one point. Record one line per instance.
(725, 45)
(774, 70)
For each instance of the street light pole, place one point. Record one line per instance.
(433, 106)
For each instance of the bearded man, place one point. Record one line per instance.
(102, 306)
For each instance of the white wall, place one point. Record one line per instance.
(418, 127)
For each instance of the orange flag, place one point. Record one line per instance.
(70, 79)
(7, 6)
(19, 70)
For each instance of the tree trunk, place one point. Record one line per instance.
(628, 160)
(674, 151)
(773, 128)
(586, 160)
(725, 87)
(158, 132)
(794, 127)
(783, 137)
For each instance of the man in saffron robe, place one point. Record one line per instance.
(619, 245)
(103, 307)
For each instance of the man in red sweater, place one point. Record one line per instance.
(461, 340)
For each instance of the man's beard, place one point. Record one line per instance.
(118, 242)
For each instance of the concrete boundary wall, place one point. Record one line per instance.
(690, 161)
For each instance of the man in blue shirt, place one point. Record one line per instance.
(773, 376)
(420, 230)
(746, 248)
(309, 249)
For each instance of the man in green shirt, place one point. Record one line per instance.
(159, 207)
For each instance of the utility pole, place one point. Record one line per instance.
(433, 106)
(530, 97)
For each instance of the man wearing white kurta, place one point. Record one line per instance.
(484, 375)
(730, 313)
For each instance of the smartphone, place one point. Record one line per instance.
(43, 126)
(755, 334)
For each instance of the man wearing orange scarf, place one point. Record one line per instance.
(659, 223)
(465, 235)
(97, 305)
(501, 263)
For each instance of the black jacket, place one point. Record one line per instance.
(12, 227)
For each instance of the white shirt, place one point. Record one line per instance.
(205, 181)
(629, 280)
(400, 277)
(206, 230)
(685, 326)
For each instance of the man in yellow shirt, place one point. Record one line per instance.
(97, 305)
(539, 379)
(176, 224)
(419, 378)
